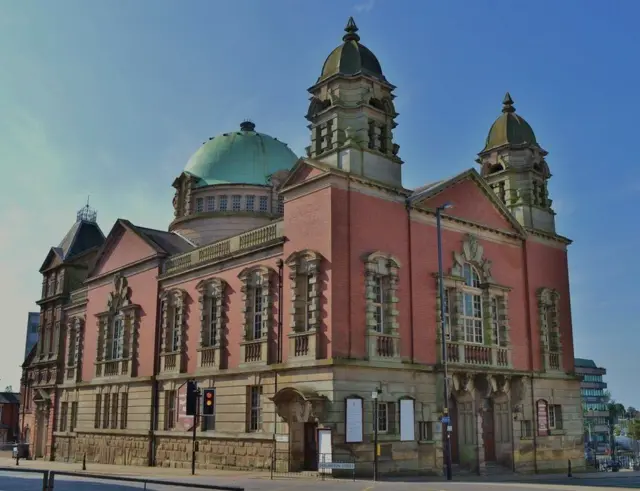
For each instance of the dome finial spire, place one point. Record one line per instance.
(507, 104)
(351, 31)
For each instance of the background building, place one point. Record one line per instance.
(594, 401)
(297, 288)
(33, 322)
(9, 417)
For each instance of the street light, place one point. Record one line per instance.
(374, 396)
(445, 422)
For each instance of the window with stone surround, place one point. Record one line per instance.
(222, 202)
(381, 298)
(124, 410)
(254, 408)
(475, 306)
(117, 332)
(250, 200)
(264, 203)
(75, 334)
(304, 281)
(174, 310)
(212, 317)
(257, 300)
(97, 409)
(472, 306)
(114, 411)
(555, 417)
(212, 294)
(173, 316)
(549, 325)
(74, 416)
(64, 408)
(211, 203)
(381, 285)
(170, 415)
(106, 410)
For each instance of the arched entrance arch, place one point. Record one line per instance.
(302, 411)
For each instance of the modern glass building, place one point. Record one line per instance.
(32, 331)
(594, 403)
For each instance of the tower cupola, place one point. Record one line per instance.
(352, 115)
(514, 165)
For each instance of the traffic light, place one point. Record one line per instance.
(192, 397)
(209, 396)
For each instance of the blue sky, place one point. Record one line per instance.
(111, 98)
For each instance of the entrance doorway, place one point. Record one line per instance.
(488, 432)
(41, 434)
(310, 462)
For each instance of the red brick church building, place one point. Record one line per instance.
(297, 288)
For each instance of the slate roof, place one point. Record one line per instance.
(585, 363)
(167, 242)
(9, 398)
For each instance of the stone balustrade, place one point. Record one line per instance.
(271, 233)
(460, 353)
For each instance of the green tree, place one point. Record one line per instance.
(634, 429)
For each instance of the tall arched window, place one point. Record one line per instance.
(472, 305)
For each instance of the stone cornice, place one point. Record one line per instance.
(130, 270)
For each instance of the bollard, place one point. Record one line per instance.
(569, 468)
(84, 461)
(17, 454)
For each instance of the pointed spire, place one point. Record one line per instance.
(351, 31)
(507, 104)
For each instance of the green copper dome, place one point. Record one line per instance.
(352, 58)
(510, 129)
(240, 157)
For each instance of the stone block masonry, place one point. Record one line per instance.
(215, 453)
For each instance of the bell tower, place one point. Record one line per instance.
(352, 115)
(514, 165)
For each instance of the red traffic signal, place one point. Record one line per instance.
(208, 397)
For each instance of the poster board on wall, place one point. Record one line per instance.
(407, 420)
(324, 450)
(354, 429)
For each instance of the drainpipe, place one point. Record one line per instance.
(155, 393)
(527, 294)
(349, 326)
(280, 265)
(409, 262)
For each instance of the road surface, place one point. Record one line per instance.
(10, 481)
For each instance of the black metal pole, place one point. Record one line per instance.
(193, 435)
(445, 426)
(375, 439)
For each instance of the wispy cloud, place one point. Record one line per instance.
(365, 7)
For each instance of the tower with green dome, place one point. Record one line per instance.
(230, 185)
(352, 115)
(514, 165)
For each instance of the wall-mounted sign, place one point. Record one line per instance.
(543, 417)
(354, 431)
(407, 420)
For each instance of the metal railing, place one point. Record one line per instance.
(6, 480)
(48, 482)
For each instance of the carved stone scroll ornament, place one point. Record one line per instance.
(473, 253)
(120, 297)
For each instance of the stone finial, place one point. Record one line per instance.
(247, 126)
(351, 31)
(507, 104)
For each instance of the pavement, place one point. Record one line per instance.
(28, 477)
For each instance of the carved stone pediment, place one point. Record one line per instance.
(473, 253)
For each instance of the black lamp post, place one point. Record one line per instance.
(445, 419)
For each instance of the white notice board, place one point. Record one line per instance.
(353, 420)
(407, 420)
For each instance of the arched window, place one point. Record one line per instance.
(472, 305)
